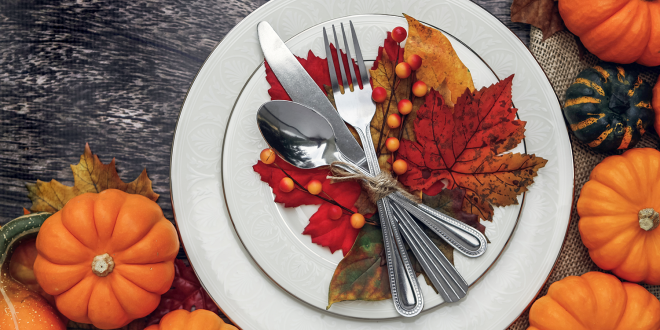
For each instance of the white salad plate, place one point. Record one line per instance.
(249, 252)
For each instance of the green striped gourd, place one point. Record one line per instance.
(608, 107)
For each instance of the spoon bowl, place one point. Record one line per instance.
(300, 135)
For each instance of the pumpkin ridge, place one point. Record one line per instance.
(126, 309)
(618, 240)
(593, 40)
(632, 201)
(590, 84)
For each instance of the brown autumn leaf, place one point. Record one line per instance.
(90, 175)
(544, 14)
(362, 274)
(439, 60)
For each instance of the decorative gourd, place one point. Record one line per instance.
(595, 301)
(608, 107)
(21, 308)
(618, 210)
(656, 105)
(200, 319)
(620, 31)
(21, 267)
(107, 257)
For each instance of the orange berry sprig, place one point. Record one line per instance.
(314, 187)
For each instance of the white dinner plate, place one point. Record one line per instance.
(231, 79)
(272, 234)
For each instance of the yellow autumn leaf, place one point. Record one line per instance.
(90, 175)
(439, 59)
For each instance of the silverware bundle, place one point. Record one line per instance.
(309, 133)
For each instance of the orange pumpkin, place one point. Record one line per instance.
(595, 301)
(620, 31)
(618, 215)
(200, 319)
(655, 103)
(107, 258)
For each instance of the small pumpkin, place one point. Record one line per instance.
(20, 307)
(621, 31)
(595, 301)
(200, 319)
(618, 209)
(106, 258)
(608, 107)
(656, 105)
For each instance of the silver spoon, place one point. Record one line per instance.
(303, 138)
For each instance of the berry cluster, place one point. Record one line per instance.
(402, 70)
(314, 187)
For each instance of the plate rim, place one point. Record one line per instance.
(265, 7)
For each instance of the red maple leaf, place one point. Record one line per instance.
(186, 292)
(316, 67)
(335, 234)
(462, 148)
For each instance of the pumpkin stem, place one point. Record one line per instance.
(649, 219)
(102, 265)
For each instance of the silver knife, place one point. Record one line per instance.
(302, 89)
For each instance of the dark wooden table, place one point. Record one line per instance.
(110, 73)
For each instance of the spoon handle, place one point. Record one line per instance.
(445, 278)
(465, 239)
(462, 237)
(406, 294)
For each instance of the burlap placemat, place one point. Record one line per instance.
(559, 56)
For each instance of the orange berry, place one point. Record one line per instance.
(335, 212)
(392, 144)
(394, 120)
(357, 220)
(400, 166)
(415, 61)
(419, 88)
(379, 94)
(267, 156)
(286, 184)
(314, 187)
(403, 70)
(404, 106)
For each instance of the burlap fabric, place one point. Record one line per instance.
(559, 56)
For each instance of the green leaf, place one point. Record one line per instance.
(362, 274)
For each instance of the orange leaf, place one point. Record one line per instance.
(90, 175)
(439, 59)
(462, 147)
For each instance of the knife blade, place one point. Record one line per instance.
(303, 89)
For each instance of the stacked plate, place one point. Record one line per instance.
(249, 252)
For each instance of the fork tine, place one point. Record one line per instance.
(358, 57)
(341, 61)
(350, 61)
(331, 63)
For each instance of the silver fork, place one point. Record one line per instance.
(357, 108)
(406, 294)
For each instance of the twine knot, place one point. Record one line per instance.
(376, 187)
